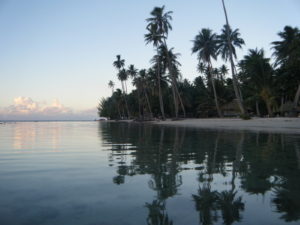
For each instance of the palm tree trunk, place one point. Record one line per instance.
(174, 99)
(119, 110)
(269, 108)
(234, 80)
(214, 90)
(180, 100)
(173, 80)
(124, 96)
(148, 102)
(139, 101)
(296, 99)
(281, 105)
(257, 108)
(125, 84)
(161, 103)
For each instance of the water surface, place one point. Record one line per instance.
(92, 173)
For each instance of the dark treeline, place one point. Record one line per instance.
(256, 85)
(253, 163)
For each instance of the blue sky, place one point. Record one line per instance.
(59, 53)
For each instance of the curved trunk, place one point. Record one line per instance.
(214, 90)
(237, 91)
(161, 103)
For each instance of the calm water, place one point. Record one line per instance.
(89, 173)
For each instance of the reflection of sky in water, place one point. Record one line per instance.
(27, 136)
(91, 173)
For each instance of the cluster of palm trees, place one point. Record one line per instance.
(256, 85)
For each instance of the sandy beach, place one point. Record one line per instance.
(278, 125)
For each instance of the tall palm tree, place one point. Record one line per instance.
(156, 38)
(122, 75)
(111, 85)
(229, 40)
(287, 53)
(160, 22)
(205, 44)
(176, 74)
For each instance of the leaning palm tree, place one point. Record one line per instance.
(228, 41)
(156, 38)
(111, 85)
(205, 45)
(122, 75)
(160, 22)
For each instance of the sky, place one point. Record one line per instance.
(56, 55)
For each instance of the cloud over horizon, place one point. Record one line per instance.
(25, 108)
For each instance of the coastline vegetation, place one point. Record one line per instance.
(257, 85)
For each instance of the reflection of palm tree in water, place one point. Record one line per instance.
(165, 179)
(209, 202)
(237, 160)
(286, 193)
(206, 204)
(157, 213)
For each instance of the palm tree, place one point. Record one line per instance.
(122, 75)
(229, 40)
(143, 77)
(136, 81)
(223, 71)
(176, 73)
(156, 38)
(160, 26)
(205, 44)
(111, 85)
(287, 53)
(257, 74)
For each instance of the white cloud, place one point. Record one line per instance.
(25, 108)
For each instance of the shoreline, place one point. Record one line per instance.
(286, 125)
(274, 125)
